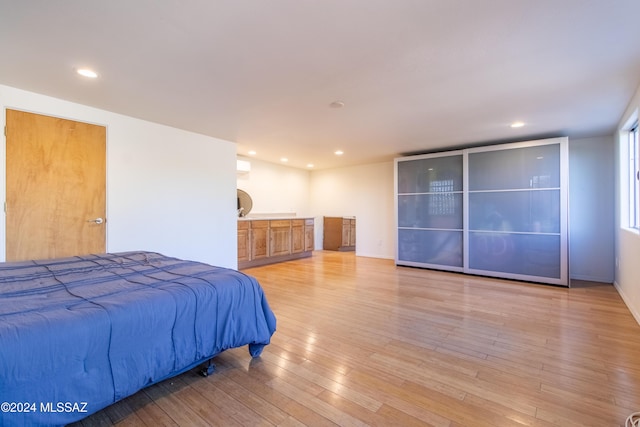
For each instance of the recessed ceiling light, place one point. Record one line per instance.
(284, 159)
(336, 104)
(252, 153)
(87, 73)
(517, 124)
(310, 165)
(338, 152)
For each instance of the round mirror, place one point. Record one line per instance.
(244, 203)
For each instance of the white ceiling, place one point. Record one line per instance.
(414, 75)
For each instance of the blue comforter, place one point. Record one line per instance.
(78, 334)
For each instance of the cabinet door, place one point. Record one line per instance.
(309, 236)
(346, 232)
(352, 236)
(280, 237)
(244, 247)
(259, 236)
(297, 236)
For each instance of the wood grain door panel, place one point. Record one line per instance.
(56, 179)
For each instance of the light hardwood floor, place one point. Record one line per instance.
(363, 342)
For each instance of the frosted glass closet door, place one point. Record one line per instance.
(430, 211)
(515, 212)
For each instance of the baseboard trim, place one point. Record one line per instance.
(379, 256)
(588, 278)
(634, 313)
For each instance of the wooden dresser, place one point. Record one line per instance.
(339, 233)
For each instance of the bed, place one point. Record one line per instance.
(78, 334)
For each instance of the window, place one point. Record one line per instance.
(634, 177)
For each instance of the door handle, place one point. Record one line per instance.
(97, 220)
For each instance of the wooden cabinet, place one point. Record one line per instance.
(268, 241)
(339, 233)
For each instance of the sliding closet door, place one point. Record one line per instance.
(499, 211)
(516, 216)
(429, 211)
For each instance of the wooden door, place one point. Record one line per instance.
(56, 178)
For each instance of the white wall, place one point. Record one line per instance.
(276, 189)
(168, 190)
(365, 192)
(591, 209)
(627, 242)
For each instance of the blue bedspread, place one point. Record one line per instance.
(78, 334)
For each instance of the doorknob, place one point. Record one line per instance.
(97, 220)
